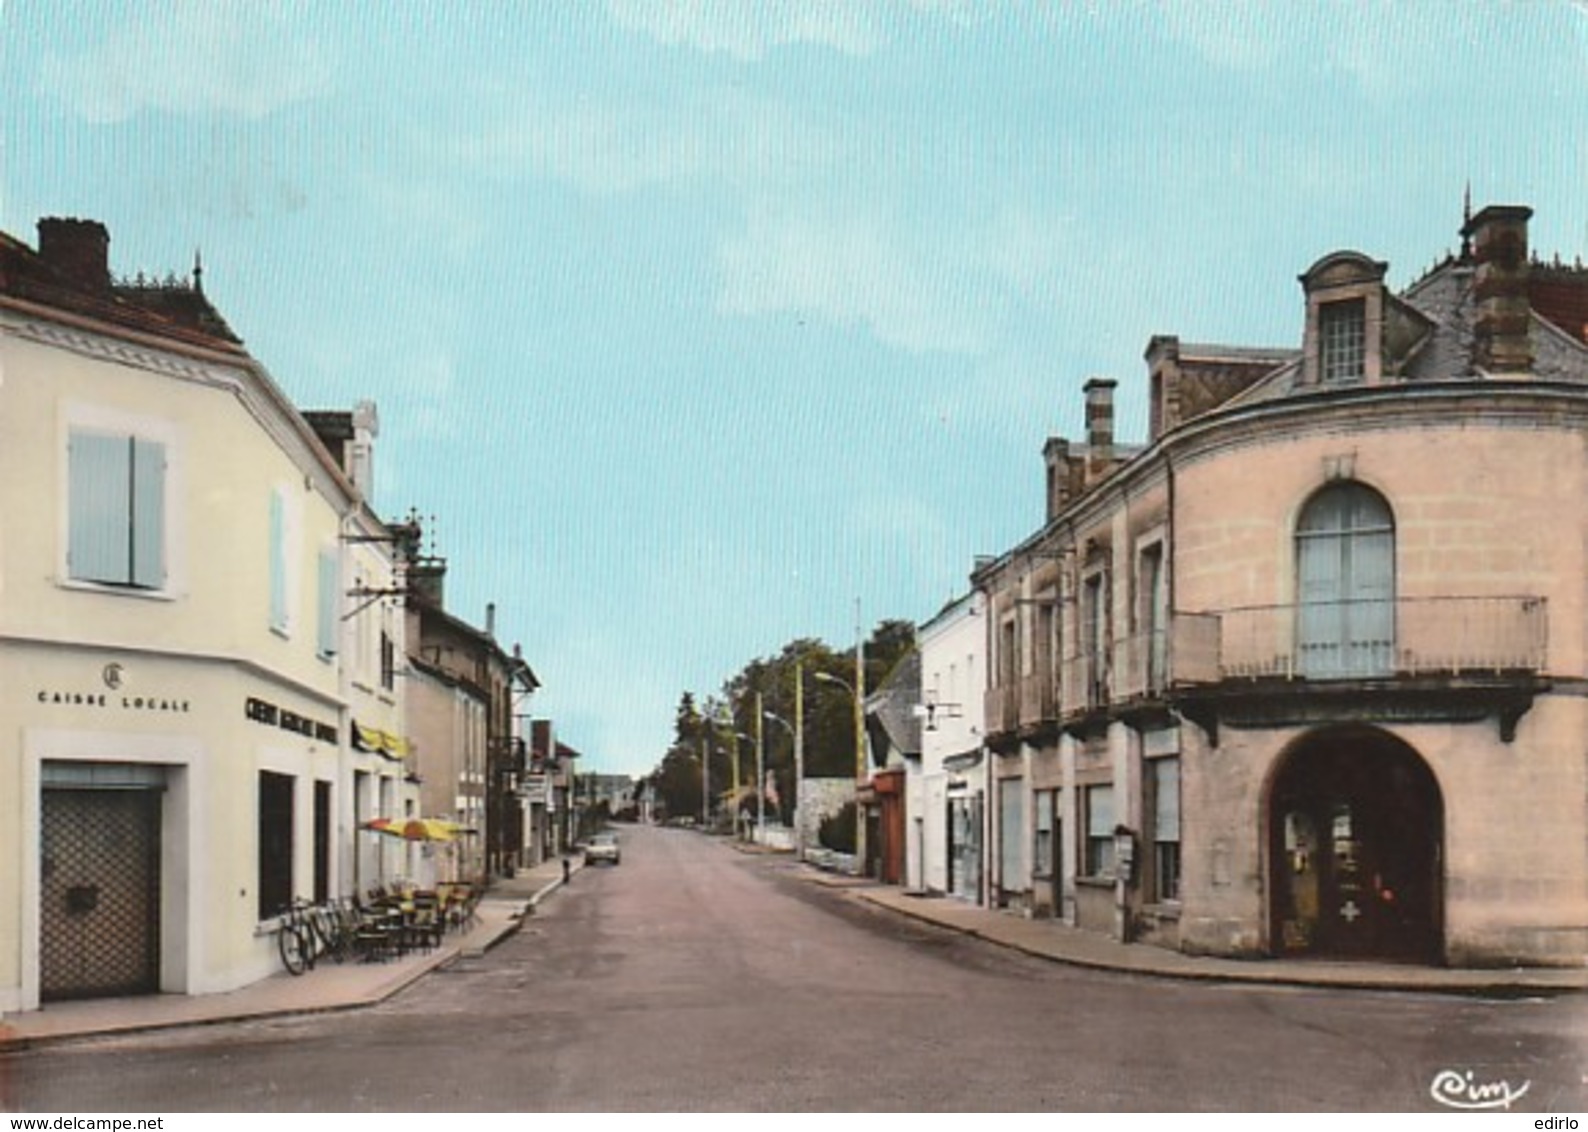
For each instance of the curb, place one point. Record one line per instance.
(1484, 985)
(10, 1042)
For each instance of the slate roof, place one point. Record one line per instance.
(892, 705)
(173, 309)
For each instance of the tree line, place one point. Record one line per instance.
(720, 726)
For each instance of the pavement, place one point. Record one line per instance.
(328, 987)
(509, 901)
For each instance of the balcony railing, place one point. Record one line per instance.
(1365, 639)
(1147, 664)
(1039, 697)
(1084, 682)
(1002, 705)
(1354, 640)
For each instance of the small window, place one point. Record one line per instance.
(1165, 783)
(1099, 801)
(1342, 340)
(388, 662)
(1042, 862)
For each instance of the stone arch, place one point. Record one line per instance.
(1354, 825)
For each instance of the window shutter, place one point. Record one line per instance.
(1166, 800)
(328, 603)
(278, 563)
(148, 514)
(98, 489)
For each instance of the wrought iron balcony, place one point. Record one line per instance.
(1370, 639)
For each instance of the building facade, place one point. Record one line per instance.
(1303, 675)
(174, 619)
(946, 789)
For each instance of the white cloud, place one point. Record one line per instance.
(851, 265)
(749, 30)
(718, 137)
(191, 57)
(925, 284)
(1238, 34)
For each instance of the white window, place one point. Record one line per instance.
(1042, 848)
(116, 509)
(1099, 802)
(1165, 780)
(1345, 564)
(1342, 340)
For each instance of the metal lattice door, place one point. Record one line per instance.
(99, 893)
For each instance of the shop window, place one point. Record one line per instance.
(275, 843)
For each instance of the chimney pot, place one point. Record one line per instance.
(1100, 417)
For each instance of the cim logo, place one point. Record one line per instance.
(1463, 1090)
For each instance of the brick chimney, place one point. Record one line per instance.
(78, 249)
(1499, 249)
(1100, 418)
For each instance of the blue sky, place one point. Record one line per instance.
(693, 323)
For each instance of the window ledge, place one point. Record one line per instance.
(1095, 882)
(82, 585)
(1164, 912)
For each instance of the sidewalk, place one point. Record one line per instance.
(1047, 939)
(330, 986)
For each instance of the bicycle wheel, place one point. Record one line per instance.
(296, 955)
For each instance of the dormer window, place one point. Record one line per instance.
(1342, 341)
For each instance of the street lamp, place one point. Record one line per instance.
(797, 734)
(860, 755)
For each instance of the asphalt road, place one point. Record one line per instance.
(693, 978)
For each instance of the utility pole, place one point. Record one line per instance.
(760, 773)
(860, 744)
(799, 760)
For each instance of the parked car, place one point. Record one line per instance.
(603, 849)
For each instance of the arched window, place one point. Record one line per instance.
(1345, 584)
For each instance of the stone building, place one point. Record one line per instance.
(1303, 675)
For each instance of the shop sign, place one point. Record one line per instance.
(269, 714)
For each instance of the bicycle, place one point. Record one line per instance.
(309, 932)
(295, 938)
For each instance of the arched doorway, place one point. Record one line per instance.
(1355, 835)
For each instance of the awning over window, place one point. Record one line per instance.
(394, 747)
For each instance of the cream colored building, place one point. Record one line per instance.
(180, 663)
(1304, 675)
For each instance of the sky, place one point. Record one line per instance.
(693, 326)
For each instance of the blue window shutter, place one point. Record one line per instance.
(148, 514)
(328, 603)
(99, 491)
(278, 562)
